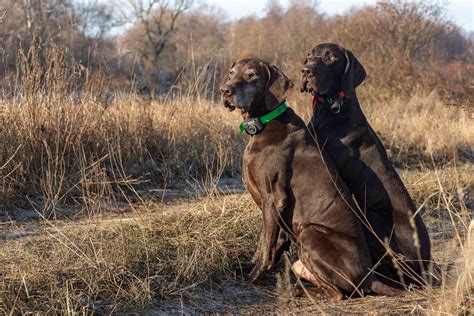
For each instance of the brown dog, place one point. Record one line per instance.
(310, 205)
(331, 73)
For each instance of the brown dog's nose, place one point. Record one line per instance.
(307, 71)
(226, 91)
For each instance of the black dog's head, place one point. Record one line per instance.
(254, 86)
(329, 69)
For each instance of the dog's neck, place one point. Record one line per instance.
(285, 123)
(333, 102)
(348, 109)
(257, 109)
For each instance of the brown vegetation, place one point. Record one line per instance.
(61, 145)
(79, 135)
(159, 255)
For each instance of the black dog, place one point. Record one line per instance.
(313, 207)
(331, 73)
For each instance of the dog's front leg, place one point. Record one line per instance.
(258, 253)
(273, 239)
(267, 248)
(283, 244)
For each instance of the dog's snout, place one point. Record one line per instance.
(307, 71)
(227, 90)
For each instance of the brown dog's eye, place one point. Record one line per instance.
(251, 75)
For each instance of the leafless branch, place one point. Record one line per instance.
(158, 19)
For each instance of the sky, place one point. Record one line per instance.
(460, 12)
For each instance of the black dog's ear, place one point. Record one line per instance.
(277, 87)
(354, 74)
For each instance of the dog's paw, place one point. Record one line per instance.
(255, 273)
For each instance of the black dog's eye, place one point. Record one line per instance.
(329, 58)
(251, 75)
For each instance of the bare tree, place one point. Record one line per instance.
(97, 18)
(44, 22)
(157, 21)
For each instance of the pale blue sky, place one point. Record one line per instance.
(459, 11)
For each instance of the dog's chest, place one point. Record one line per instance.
(354, 137)
(262, 162)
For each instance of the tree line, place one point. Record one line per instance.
(180, 47)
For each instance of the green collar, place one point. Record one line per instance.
(265, 118)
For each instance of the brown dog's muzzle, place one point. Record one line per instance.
(227, 92)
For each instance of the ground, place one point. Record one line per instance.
(180, 252)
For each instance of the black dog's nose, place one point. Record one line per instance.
(307, 71)
(226, 90)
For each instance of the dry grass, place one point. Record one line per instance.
(421, 127)
(130, 262)
(415, 130)
(64, 139)
(160, 253)
(457, 296)
(63, 150)
(66, 150)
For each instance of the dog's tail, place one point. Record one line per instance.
(380, 288)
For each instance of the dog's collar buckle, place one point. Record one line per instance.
(255, 125)
(335, 106)
(252, 126)
(335, 103)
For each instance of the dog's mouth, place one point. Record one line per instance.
(231, 104)
(313, 89)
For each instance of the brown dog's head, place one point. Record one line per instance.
(254, 86)
(329, 69)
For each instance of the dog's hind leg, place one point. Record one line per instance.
(323, 288)
(380, 288)
(302, 272)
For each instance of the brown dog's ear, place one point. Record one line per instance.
(354, 74)
(277, 87)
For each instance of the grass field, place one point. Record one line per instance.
(190, 255)
(123, 207)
